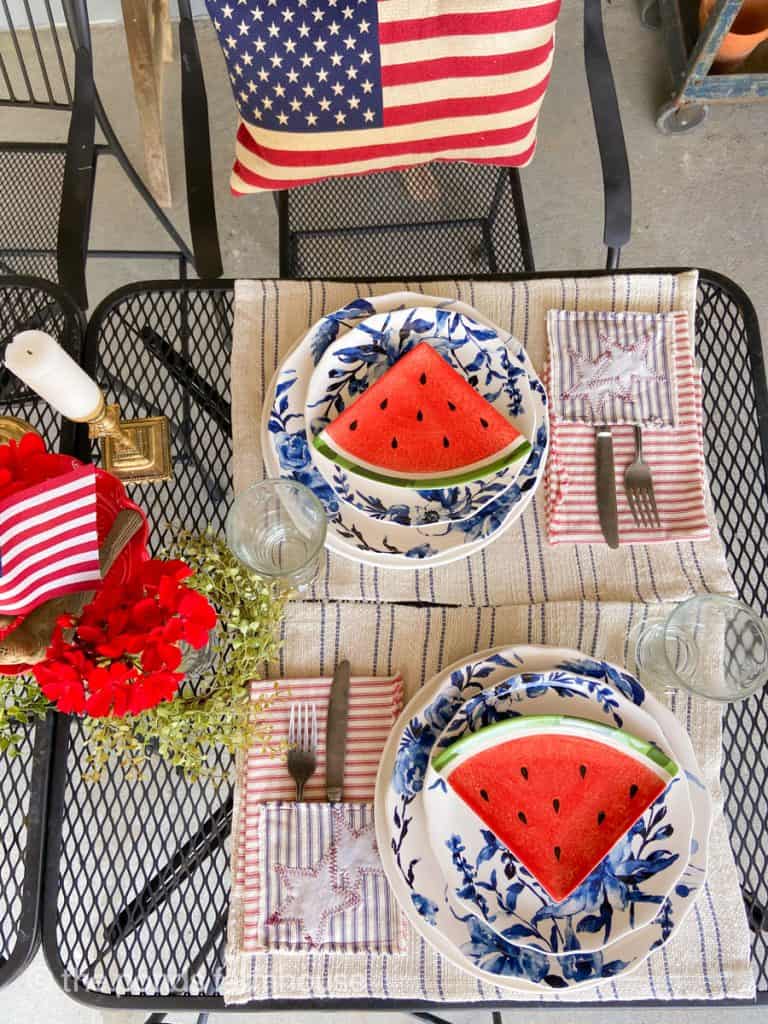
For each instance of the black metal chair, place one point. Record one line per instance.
(46, 188)
(446, 219)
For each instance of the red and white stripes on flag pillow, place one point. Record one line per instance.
(330, 88)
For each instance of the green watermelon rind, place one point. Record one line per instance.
(472, 743)
(461, 476)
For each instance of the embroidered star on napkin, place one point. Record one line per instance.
(331, 885)
(613, 373)
(608, 367)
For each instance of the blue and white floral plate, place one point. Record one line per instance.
(495, 367)
(623, 893)
(463, 937)
(350, 532)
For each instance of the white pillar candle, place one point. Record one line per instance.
(45, 367)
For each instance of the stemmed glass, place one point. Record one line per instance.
(677, 652)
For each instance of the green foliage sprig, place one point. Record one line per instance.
(214, 708)
(21, 703)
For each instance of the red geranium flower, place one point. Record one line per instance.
(121, 656)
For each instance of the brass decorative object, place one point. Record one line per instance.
(135, 451)
(13, 429)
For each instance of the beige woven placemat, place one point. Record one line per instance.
(519, 567)
(708, 958)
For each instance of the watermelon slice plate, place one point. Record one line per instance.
(461, 934)
(422, 424)
(382, 540)
(358, 359)
(558, 792)
(535, 695)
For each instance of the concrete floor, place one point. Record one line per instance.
(699, 200)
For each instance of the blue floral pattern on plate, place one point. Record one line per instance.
(461, 935)
(624, 891)
(495, 366)
(286, 453)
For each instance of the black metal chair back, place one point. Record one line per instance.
(46, 188)
(33, 65)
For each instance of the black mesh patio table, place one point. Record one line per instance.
(28, 304)
(137, 875)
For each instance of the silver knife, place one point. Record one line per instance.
(336, 733)
(605, 480)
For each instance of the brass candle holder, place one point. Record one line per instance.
(135, 451)
(13, 429)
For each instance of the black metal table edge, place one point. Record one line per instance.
(30, 922)
(200, 1003)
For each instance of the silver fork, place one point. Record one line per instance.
(638, 483)
(302, 744)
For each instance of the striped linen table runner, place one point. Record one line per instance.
(675, 454)
(709, 957)
(521, 566)
(520, 589)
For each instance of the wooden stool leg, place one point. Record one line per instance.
(147, 30)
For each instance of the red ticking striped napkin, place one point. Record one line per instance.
(374, 704)
(675, 455)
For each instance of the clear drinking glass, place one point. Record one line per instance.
(678, 651)
(277, 528)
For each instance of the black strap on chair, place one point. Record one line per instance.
(617, 188)
(197, 151)
(79, 166)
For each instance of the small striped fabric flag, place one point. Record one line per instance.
(49, 544)
(337, 87)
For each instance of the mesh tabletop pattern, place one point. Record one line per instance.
(140, 869)
(441, 219)
(27, 304)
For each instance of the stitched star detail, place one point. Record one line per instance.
(334, 884)
(613, 373)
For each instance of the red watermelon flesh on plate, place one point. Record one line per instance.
(558, 798)
(423, 425)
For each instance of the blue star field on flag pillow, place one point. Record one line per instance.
(328, 88)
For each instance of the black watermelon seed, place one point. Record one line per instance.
(473, 381)
(556, 805)
(446, 443)
(582, 770)
(452, 407)
(353, 425)
(522, 817)
(483, 423)
(632, 791)
(484, 795)
(384, 404)
(394, 442)
(419, 415)
(524, 772)
(600, 817)
(423, 379)
(557, 853)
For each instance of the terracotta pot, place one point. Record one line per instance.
(747, 32)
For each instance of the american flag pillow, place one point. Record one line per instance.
(337, 87)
